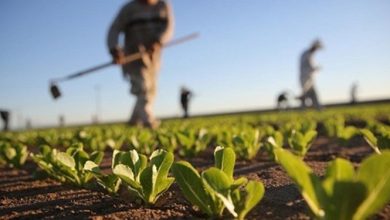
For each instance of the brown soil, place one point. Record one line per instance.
(23, 197)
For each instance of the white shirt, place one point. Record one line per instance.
(307, 70)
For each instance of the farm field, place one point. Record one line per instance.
(260, 144)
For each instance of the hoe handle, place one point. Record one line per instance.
(84, 72)
(128, 59)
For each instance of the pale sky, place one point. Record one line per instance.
(247, 53)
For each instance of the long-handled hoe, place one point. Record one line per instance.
(56, 93)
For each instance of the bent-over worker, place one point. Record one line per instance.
(147, 25)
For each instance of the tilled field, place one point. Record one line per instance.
(24, 197)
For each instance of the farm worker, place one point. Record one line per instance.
(5, 118)
(282, 100)
(354, 89)
(185, 96)
(146, 25)
(307, 71)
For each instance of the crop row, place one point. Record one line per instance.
(143, 161)
(190, 141)
(341, 194)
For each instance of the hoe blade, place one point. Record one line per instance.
(55, 91)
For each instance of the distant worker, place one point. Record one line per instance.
(28, 124)
(185, 96)
(147, 25)
(61, 120)
(5, 118)
(307, 71)
(283, 101)
(354, 89)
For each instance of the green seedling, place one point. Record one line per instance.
(67, 166)
(216, 189)
(167, 140)
(272, 142)
(143, 142)
(109, 182)
(335, 127)
(192, 141)
(247, 144)
(13, 154)
(342, 193)
(148, 179)
(344, 134)
(377, 142)
(302, 126)
(301, 142)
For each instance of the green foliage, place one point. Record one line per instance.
(143, 141)
(301, 126)
(91, 140)
(109, 182)
(148, 179)
(340, 193)
(343, 193)
(216, 189)
(192, 141)
(13, 154)
(166, 140)
(247, 143)
(301, 142)
(332, 125)
(272, 142)
(345, 134)
(67, 166)
(335, 127)
(378, 142)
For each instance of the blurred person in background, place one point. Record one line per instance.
(283, 101)
(185, 96)
(354, 89)
(5, 118)
(61, 120)
(307, 71)
(147, 25)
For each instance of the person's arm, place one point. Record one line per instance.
(315, 68)
(167, 34)
(115, 30)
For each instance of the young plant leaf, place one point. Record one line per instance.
(191, 185)
(220, 184)
(148, 180)
(250, 196)
(225, 158)
(374, 172)
(306, 181)
(127, 175)
(66, 160)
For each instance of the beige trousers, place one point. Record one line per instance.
(143, 76)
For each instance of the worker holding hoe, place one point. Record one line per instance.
(147, 25)
(4, 115)
(307, 72)
(185, 96)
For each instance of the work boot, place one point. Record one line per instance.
(153, 125)
(134, 123)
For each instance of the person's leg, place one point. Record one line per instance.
(5, 118)
(303, 100)
(314, 98)
(143, 78)
(185, 110)
(135, 118)
(150, 73)
(2, 116)
(137, 83)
